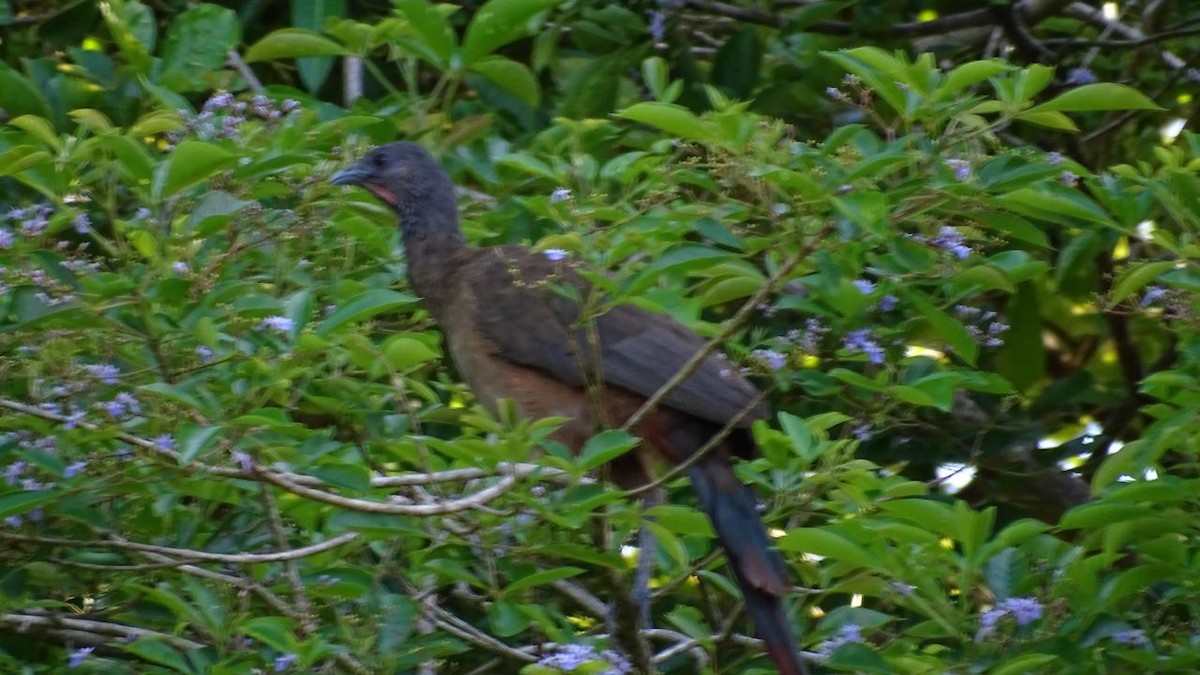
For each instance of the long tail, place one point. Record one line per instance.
(757, 568)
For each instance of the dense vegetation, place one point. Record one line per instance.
(956, 246)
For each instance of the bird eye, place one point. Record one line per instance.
(379, 161)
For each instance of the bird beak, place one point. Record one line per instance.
(352, 175)
(365, 177)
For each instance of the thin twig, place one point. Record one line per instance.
(187, 553)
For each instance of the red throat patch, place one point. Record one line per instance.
(383, 193)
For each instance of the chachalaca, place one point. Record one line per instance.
(513, 335)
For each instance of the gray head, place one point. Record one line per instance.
(407, 178)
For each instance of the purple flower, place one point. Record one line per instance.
(12, 472)
(6, 238)
(105, 372)
(204, 354)
(949, 239)
(165, 442)
(113, 408)
(561, 194)
(1152, 295)
(864, 342)
(284, 661)
(865, 287)
(837, 94)
(902, 588)
(1069, 178)
(77, 657)
(289, 104)
(129, 401)
(1024, 610)
(960, 167)
(74, 468)
(218, 101)
(82, 223)
(888, 302)
(180, 267)
(861, 431)
(143, 213)
(75, 418)
(1079, 76)
(658, 25)
(849, 632)
(36, 515)
(554, 254)
(1054, 158)
(13, 522)
(243, 460)
(280, 324)
(769, 359)
(569, 657)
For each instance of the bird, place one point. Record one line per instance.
(515, 325)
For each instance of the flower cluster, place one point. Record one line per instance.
(982, 325)
(849, 632)
(1023, 611)
(809, 339)
(222, 115)
(861, 95)
(569, 657)
(863, 341)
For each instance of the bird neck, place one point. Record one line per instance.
(432, 242)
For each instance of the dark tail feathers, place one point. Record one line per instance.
(757, 568)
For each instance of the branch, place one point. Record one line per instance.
(437, 508)
(190, 554)
(87, 631)
(237, 63)
(1095, 17)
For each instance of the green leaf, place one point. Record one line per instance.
(18, 96)
(1041, 204)
(1099, 96)
(1051, 119)
(273, 631)
(1025, 663)
(735, 67)
(986, 278)
(606, 446)
(39, 128)
(193, 439)
(542, 578)
(682, 520)
(290, 43)
(432, 28)
(499, 22)
(951, 330)
(365, 305)
(969, 74)
(506, 619)
(858, 658)
(868, 209)
(347, 475)
(827, 544)
(404, 352)
(312, 15)
(1101, 514)
(159, 652)
(513, 76)
(198, 42)
(1137, 276)
(173, 392)
(189, 163)
(15, 503)
(673, 119)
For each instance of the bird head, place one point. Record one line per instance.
(401, 174)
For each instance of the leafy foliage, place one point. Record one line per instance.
(231, 440)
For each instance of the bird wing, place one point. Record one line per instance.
(529, 308)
